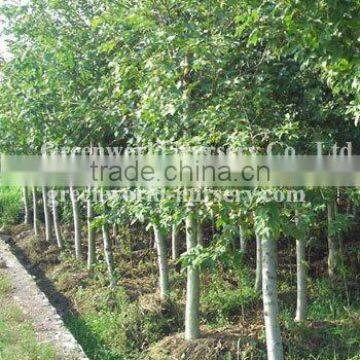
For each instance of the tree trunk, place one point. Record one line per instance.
(160, 239)
(115, 232)
(270, 299)
(192, 316)
(332, 243)
(35, 212)
(174, 242)
(55, 221)
(213, 230)
(339, 237)
(46, 215)
(243, 242)
(107, 245)
(199, 234)
(26, 205)
(91, 234)
(301, 281)
(258, 275)
(77, 232)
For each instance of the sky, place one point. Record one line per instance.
(3, 49)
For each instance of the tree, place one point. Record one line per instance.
(91, 232)
(76, 219)
(192, 316)
(301, 269)
(35, 212)
(107, 241)
(58, 237)
(46, 215)
(332, 241)
(161, 246)
(174, 242)
(258, 271)
(26, 205)
(267, 226)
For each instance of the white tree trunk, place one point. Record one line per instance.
(199, 234)
(107, 246)
(258, 272)
(46, 215)
(35, 212)
(56, 222)
(160, 239)
(192, 316)
(26, 205)
(91, 234)
(243, 242)
(115, 232)
(332, 243)
(77, 232)
(174, 242)
(301, 281)
(270, 299)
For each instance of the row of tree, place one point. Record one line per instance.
(236, 226)
(186, 73)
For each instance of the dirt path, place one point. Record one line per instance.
(48, 325)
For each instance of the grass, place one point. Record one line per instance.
(110, 327)
(10, 205)
(17, 337)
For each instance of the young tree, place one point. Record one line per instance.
(35, 212)
(46, 214)
(192, 315)
(258, 271)
(107, 241)
(174, 242)
(76, 219)
(332, 240)
(199, 234)
(58, 237)
(26, 205)
(161, 246)
(301, 265)
(90, 232)
(242, 238)
(267, 226)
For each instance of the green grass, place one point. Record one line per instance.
(17, 337)
(110, 327)
(10, 205)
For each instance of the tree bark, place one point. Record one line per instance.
(164, 285)
(199, 234)
(26, 205)
(174, 242)
(192, 315)
(107, 245)
(243, 242)
(258, 272)
(35, 212)
(270, 299)
(91, 233)
(332, 243)
(56, 223)
(46, 215)
(115, 232)
(77, 232)
(301, 281)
